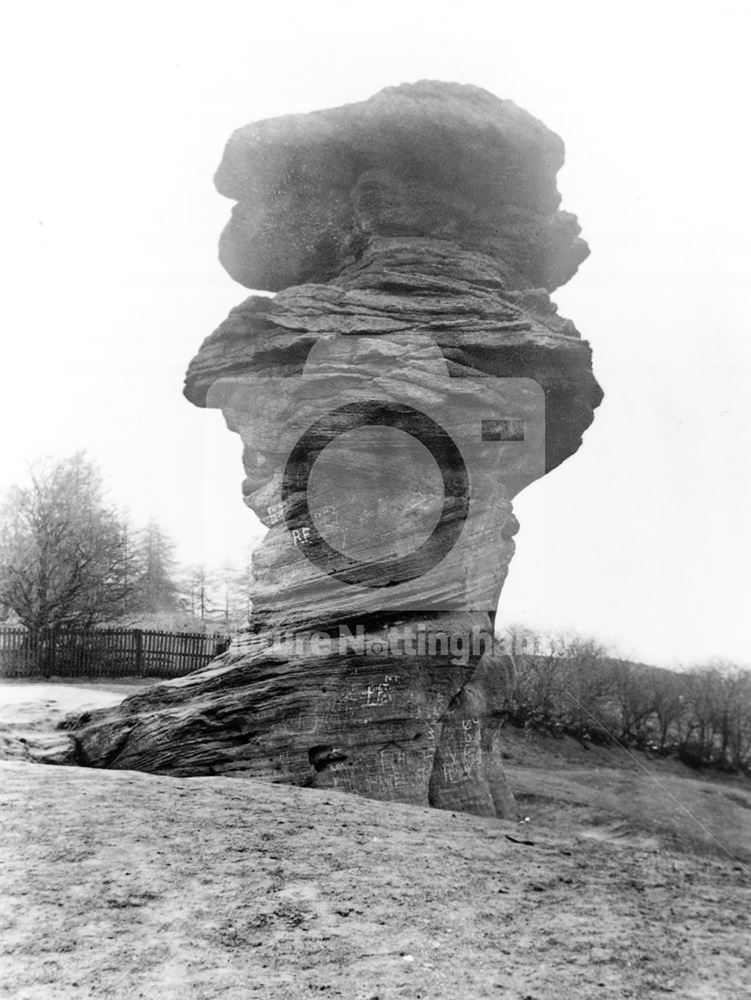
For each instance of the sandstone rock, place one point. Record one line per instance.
(438, 160)
(408, 379)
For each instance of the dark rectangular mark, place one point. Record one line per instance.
(507, 429)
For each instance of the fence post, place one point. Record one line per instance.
(53, 649)
(138, 636)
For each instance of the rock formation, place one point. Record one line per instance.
(410, 376)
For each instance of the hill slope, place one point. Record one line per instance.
(121, 884)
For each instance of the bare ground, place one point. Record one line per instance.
(120, 885)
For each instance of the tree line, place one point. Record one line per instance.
(576, 686)
(68, 558)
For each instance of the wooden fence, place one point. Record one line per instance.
(105, 652)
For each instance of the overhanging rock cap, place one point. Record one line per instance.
(445, 160)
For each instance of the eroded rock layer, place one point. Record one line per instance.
(413, 240)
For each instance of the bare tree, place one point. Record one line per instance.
(538, 698)
(632, 691)
(63, 551)
(668, 692)
(198, 593)
(739, 749)
(718, 730)
(563, 683)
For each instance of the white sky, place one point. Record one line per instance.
(116, 117)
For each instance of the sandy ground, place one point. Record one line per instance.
(119, 885)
